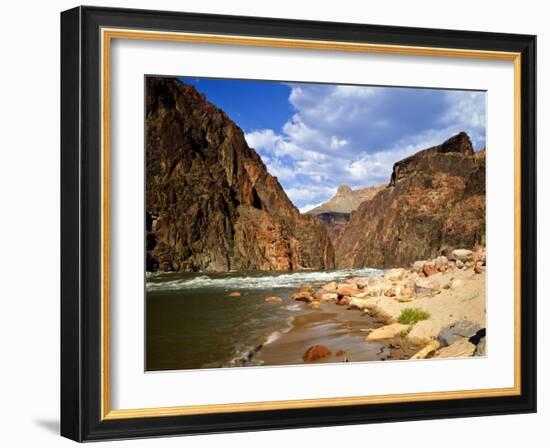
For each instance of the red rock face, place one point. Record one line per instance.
(211, 204)
(435, 202)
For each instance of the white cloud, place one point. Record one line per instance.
(283, 173)
(309, 192)
(354, 135)
(467, 109)
(306, 208)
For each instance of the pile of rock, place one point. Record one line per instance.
(385, 296)
(458, 259)
(400, 284)
(460, 339)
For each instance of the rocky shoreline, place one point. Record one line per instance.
(432, 309)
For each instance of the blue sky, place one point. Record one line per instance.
(314, 137)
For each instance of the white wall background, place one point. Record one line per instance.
(29, 180)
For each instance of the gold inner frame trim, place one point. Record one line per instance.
(107, 35)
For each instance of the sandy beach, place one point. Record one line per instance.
(332, 325)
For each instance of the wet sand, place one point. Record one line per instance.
(341, 330)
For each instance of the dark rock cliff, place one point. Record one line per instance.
(334, 222)
(210, 203)
(435, 202)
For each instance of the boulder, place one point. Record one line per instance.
(459, 264)
(303, 296)
(234, 294)
(316, 352)
(373, 290)
(361, 304)
(476, 338)
(315, 304)
(399, 290)
(459, 349)
(362, 282)
(326, 296)
(418, 265)
(343, 301)
(462, 254)
(426, 286)
(395, 274)
(431, 347)
(273, 299)
(441, 262)
(387, 332)
(478, 269)
(424, 331)
(480, 256)
(347, 290)
(329, 286)
(307, 288)
(457, 331)
(429, 269)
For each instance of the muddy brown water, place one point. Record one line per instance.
(191, 322)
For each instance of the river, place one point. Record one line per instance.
(192, 322)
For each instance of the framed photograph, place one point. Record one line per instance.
(276, 224)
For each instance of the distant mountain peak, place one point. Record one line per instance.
(346, 200)
(336, 212)
(344, 189)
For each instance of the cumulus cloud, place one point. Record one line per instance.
(301, 193)
(354, 134)
(308, 207)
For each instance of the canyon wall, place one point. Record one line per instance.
(211, 205)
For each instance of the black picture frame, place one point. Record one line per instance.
(81, 224)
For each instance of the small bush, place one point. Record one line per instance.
(410, 316)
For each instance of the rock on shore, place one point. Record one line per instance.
(441, 314)
(316, 352)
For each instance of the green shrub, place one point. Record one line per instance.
(410, 316)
